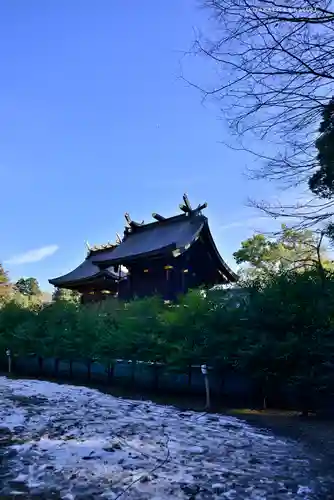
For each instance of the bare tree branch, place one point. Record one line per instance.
(275, 67)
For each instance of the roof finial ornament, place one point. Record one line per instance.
(128, 218)
(186, 206)
(88, 246)
(158, 217)
(131, 223)
(118, 239)
(201, 207)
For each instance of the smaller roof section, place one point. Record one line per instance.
(87, 270)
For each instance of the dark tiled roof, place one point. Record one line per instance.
(86, 270)
(154, 238)
(159, 238)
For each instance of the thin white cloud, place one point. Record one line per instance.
(32, 255)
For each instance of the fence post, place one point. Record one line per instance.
(56, 366)
(111, 368)
(133, 372)
(156, 369)
(189, 375)
(204, 371)
(9, 357)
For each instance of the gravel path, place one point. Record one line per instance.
(69, 442)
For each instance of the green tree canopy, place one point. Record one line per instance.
(292, 249)
(5, 286)
(28, 286)
(3, 276)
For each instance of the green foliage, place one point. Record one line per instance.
(5, 286)
(13, 319)
(62, 294)
(291, 250)
(140, 331)
(28, 287)
(280, 333)
(256, 251)
(322, 181)
(3, 275)
(186, 332)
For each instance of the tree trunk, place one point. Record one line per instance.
(264, 403)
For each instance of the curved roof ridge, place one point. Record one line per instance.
(101, 247)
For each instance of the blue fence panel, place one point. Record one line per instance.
(79, 370)
(64, 368)
(99, 372)
(197, 380)
(215, 383)
(232, 386)
(3, 363)
(236, 384)
(123, 369)
(145, 374)
(49, 366)
(28, 365)
(174, 382)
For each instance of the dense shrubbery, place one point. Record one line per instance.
(280, 334)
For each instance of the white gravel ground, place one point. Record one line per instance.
(69, 442)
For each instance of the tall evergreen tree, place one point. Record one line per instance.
(322, 181)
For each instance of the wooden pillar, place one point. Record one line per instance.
(184, 280)
(119, 279)
(169, 291)
(145, 288)
(130, 285)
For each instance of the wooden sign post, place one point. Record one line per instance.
(204, 371)
(9, 357)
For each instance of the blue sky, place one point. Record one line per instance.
(96, 121)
